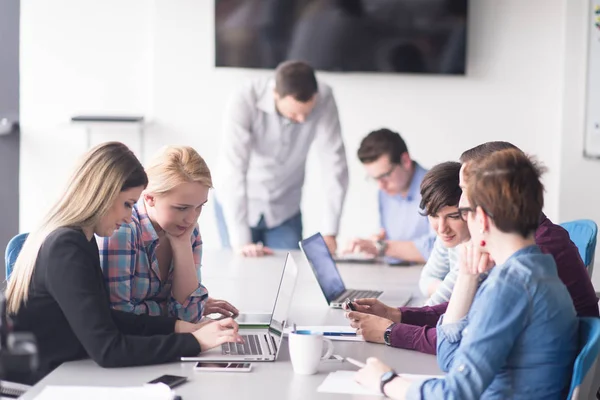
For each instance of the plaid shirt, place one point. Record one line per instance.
(130, 267)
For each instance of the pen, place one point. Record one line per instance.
(339, 334)
(357, 363)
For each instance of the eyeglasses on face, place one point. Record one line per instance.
(463, 212)
(384, 176)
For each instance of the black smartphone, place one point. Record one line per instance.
(349, 305)
(170, 380)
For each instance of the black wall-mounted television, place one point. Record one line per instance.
(418, 36)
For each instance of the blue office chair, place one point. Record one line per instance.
(12, 251)
(583, 233)
(584, 369)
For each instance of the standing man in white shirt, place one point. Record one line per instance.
(269, 128)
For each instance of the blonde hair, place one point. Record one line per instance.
(100, 176)
(174, 165)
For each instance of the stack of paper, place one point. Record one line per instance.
(343, 382)
(147, 392)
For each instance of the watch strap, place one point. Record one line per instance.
(387, 334)
(381, 246)
(385, 379)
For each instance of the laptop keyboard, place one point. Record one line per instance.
(251, 346)
(361, 294)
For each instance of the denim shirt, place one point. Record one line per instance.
(519, 339)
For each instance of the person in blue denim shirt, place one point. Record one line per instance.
(517, 335)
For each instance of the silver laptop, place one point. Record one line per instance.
(261, 344)
(323, 265)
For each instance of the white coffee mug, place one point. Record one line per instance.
(306, 351)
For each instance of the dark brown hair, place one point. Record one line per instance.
(484, 150)
(296, 79)
(380, 142)
(506, 185)
(440, 187)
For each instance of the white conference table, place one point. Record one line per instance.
(251, 285)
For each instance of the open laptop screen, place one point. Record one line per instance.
(322, 263)
(283, 300)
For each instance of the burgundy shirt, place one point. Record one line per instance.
(417, 330)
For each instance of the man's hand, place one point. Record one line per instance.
(361, 246)
(379, 236)
(222, 307)
(377, 308)
(255, 250)
(371, 327)
(331, 243)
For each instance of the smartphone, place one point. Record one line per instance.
(349, 305)
(223, 367)
(170, 380)
(334, 358)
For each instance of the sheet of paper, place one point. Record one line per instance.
(147, 392)
(340, 333)
(343, 382)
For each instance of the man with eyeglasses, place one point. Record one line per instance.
(405, 235)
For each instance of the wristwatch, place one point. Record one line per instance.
(381, 246)
(385, 379)
(388, 333)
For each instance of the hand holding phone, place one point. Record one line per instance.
(349, 305)
(223, 367)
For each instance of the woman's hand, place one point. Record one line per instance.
(184, 238)
(216, 333)
(473, 261)
(222, 307)
(370, 375)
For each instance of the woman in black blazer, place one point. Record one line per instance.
(57, 290)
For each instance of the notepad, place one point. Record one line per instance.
(343, 382)
(341, 333)
(146, 392)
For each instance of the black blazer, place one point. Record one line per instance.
(69, 313)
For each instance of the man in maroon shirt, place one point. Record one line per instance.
(414, 328)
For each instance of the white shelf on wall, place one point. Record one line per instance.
(90, 121)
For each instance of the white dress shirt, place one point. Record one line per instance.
(261, 169)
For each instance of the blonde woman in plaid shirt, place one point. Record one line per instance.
(153, 264)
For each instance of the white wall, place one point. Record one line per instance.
(579, 177)
(156, 58)
(77, 57)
